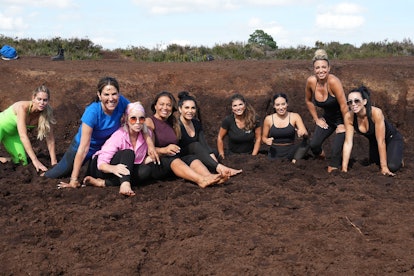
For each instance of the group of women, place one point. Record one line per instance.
(123, 145)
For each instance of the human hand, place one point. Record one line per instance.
(120, 170)
(153, 155)
(268, 141)
(387, 172)
(321, 123)
(172, 149)
(39, 166)
(73, 183)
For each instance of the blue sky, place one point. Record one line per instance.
(156, 23)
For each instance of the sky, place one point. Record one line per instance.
(158, 23)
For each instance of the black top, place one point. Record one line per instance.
(240, 140)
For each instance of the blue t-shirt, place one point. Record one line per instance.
(103, 125)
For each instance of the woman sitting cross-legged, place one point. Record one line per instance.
(121, 160)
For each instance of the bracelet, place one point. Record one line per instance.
(74, 179)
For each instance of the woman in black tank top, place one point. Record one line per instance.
(279, 131)
(325, 91)
(385, 142)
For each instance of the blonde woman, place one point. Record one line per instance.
(325, 91)
(22, 116)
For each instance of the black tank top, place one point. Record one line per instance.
(282, 135)
(390, 130)
(331, 108)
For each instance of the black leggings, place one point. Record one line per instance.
(139, 172)
(395, 147)
(319, 136)
(202, 154)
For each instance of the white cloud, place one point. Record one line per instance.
(42, 3)
(272, 28)
(276, 2)
(182, 6)
(8, 23)
(344, 16)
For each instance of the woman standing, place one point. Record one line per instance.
(385, 142)
(24, 115)
(325, 91)
(192, 135)
(167, 131)
(242, 127)
(279, 132)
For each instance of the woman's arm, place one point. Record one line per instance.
(308, 98)
(338, 91)
(266, 128)
(21, 111)
(220, 141)
(258, 140)
(169, 150)
(379, 121)
(348, 143)
(299, 125)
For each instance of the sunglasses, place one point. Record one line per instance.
(133, 120)
(354, 101)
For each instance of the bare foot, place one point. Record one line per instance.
(96, 182)
(224, 170)
(331, 169)
(125, 189)
(213, 179)
(5, 159)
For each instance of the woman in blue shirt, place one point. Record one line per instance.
(100, 119)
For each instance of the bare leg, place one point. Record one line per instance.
(197, 173)
(96, 182)
(125, 189)
(5, 159)
(224, 170)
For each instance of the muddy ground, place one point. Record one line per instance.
(275, 218)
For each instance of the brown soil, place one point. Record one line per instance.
(274, 219)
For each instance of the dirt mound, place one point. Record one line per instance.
(273, 219)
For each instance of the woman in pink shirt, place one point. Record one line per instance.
(122, 159)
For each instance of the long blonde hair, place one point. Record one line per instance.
(46, 116)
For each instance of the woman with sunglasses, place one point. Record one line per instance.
(167, 132)
(193, 140)
(385, 142)
(121, 160)
(325, 91)
(100, 119)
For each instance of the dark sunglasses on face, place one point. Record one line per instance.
(356, 101)
(133, 120)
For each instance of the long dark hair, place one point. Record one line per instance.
(172, 120)
(104, 82)
(249, 115)
(185, 96)
(365, 94)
